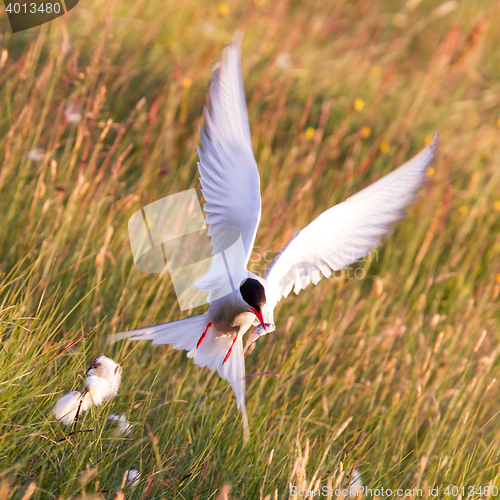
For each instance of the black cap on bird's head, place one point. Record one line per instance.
(254, 295)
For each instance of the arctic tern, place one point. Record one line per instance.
(231, 188)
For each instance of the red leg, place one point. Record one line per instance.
(230, 349)
(204, 334)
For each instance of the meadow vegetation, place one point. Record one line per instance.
(394, 375)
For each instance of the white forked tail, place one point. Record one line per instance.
(183, 333)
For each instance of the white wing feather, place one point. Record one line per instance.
(348, 231)
(228, 172)
(184, 334)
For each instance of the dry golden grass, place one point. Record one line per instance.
(393, 375)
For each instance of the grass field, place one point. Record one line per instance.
(393, 375)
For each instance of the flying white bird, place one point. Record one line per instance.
(231, 187)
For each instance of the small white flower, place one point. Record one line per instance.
(284, 61)
(209, 29)
(109, 370)
(36, 154)
(123, 425)
(66, 408)
(102, 383)
(73, 114)
(66, 46)
(134, 476)
(98, 391)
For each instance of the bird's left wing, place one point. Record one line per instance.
(228, 172)
(348, 231)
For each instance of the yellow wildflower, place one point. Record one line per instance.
(359, 104)
(365, 132)
(310, 131)
(223, 9)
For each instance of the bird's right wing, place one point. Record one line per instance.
(348, 231)
(228, 172)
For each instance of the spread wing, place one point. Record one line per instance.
(228, 172)
(348, 231)
(185, 334)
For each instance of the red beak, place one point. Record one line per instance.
(260, 318)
